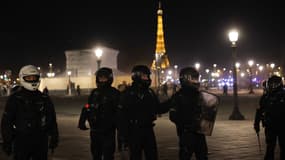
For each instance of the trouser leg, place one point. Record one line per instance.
(270, 138)
(149, 145)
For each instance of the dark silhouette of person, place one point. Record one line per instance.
(121, 87)
(78, 90)
(139, 107)
(271, 113)
(101, 112)
(164, 89)
(225, 89)
(185, 113)
(28, 125)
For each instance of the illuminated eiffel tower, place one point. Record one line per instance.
(160, 61)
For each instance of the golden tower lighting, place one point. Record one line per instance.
(160, 61)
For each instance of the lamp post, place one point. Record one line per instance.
(69, 83)
(250, 63)
(158, 68)
(208, 77)
(236, 115)
(175, 73)
(50, 73)
(98, 53)
(50, 67)
(272, 65)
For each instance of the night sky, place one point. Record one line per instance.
(40, 33)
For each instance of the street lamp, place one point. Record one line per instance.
(50, 73)
(214, 67)
(272, 65)
(50, 67)
(250, 63)
(197, 66)
(236, 115)
(208, 76)
(175, 73)
(158, 69)
(69, 83)
(98, 53)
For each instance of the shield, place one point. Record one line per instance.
(209, 104)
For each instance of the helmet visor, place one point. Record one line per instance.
(32, 78)
(190, 79)
(274, 85)
(102, 79)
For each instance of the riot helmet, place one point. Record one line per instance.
(29, 77)
(189, 77)
(141, 75)
(274, 83)
(104, 77)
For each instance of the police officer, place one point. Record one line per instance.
(29, 124)
(271, 113)
(100, 112)
(139, 106)
(185, 113)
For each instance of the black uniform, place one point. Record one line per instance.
(101, 113)
(271, 112)
(185, 113)
(28, 121)
(139, 107)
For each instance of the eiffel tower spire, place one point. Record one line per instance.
(160, 46)
(160, 61)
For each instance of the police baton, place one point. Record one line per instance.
(258, 139)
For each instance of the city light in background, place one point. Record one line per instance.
(51, 73)
(217, 77)
(98, 53)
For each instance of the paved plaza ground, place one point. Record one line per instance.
(231, 140)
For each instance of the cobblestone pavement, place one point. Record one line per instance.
(231, 140)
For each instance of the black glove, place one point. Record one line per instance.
(256, 128)
(7, 148)
(53, 143)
